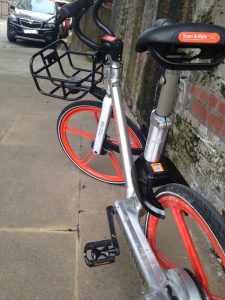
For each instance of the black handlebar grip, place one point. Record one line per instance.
(73, 9)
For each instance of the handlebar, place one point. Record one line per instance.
(79, 33)
(97, 21)
(76, 10)
(73, 9)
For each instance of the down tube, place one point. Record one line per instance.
(125, 149)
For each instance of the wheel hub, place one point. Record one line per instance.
(184, 285)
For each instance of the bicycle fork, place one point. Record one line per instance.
(103, 125)
(106, 112)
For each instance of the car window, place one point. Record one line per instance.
(42, 6)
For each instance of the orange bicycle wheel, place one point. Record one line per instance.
(192, 236)
(77, 126)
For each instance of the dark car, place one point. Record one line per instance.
(33, 20)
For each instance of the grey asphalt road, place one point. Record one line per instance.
(48, 208)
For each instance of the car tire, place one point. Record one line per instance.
(11, 38)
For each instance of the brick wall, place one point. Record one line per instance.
(209, 109)
(197, 141)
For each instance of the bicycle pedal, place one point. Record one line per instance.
(99, 253)
(103, 252)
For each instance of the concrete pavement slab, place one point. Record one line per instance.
(4, 127)
(37, 266)
(96, 195)
(15, 62)
(10, 111)
(32, 129)
(20, 93)
(118, 281)
(43, 196)
(39, 188)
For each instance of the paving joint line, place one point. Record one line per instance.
(39, 230)
(85, 212)
(11, 124)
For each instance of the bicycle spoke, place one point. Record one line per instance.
(96, 117)
(86, 115)
(164, 259)
(80, 132)
(88, 158)
(189, 245)
(132, 142)
(113, 141)
(115, 163)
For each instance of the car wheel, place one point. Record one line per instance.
(10, 37)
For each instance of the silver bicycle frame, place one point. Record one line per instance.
(129, 211)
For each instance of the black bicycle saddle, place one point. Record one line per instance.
(167, 38)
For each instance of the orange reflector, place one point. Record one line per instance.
(109, 38)
(199, 37)
(157, 167)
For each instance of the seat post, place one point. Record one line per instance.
(161, 118)
(168, 94)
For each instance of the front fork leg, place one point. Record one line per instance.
(103, 124)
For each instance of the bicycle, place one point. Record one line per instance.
(171, 44)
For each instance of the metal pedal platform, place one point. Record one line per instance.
(103, 252)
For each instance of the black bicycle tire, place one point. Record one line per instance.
(98, 104)
(204, 208)
(201, 205)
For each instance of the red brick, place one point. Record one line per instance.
(221, 108)
(216, 123)
(212, 101)
(195, 91)
(199, 110)
(203, 96)
(199, 93)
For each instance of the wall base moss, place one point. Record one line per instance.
(200, 162)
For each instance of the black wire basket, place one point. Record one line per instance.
(56, 75)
